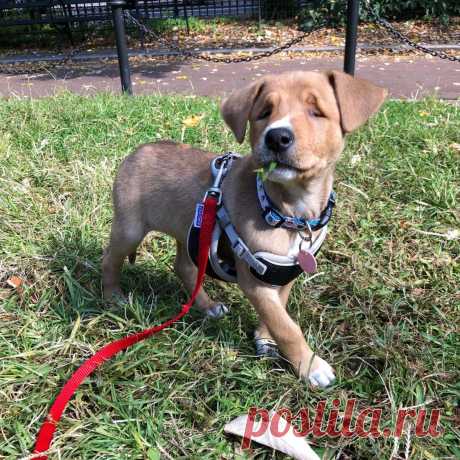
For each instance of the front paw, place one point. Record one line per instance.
(114, 295)
(320, 373)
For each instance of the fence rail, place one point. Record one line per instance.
(73, 12)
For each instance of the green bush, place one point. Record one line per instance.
(334, 11)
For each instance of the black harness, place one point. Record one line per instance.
(226, 244)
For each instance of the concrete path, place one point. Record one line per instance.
(406, 77)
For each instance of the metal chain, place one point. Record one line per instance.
(227, 60)
(401, 37)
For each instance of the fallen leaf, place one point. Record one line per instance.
(181, 77)
(404, 224)
(290, 444)
(192, 121)
(15, 282)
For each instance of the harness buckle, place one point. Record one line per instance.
(273, 217)
(243, 252)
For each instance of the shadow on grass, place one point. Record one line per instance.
(76, 264)
(153, 291)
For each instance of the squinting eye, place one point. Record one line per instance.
(315, 113)
(266, 113)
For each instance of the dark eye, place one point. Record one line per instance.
(315, 113)
(265, 113)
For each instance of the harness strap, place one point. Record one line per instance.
(239, 247)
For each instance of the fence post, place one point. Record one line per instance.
(351, 36)
(122, 47)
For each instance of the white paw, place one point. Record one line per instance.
(322, 374)
(217, 311)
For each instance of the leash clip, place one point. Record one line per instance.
(215, 192)
(220, 166)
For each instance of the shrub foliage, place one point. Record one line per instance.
(334, 11)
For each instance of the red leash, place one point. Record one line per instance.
(45, 435)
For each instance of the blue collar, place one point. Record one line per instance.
(274, 217)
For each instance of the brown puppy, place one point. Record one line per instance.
(159, 184)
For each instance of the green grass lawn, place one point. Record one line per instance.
(383, 309)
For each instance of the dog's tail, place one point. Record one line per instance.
(132, 258)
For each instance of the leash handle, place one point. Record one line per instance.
(45, 435)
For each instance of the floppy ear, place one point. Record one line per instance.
(236, 108)
(357, 99)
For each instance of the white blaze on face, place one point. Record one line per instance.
(284, 122)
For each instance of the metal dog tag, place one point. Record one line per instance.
(307, 261)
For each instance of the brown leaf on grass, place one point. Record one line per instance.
(404, 224)
(15, 282)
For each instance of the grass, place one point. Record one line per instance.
(384, 308)
(197, 25)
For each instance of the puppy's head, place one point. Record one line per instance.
(299, 119)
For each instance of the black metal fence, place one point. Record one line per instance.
(74, 12)
(267, 9)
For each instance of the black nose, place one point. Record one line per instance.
(279, 139)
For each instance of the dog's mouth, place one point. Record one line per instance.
(272, 165)
(279, 171)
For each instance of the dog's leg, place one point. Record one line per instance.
(187, 272)
(123, 243)
(270, 304)
(265, 344)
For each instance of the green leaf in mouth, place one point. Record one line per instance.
(266, 170)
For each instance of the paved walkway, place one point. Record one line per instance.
(406, 77)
